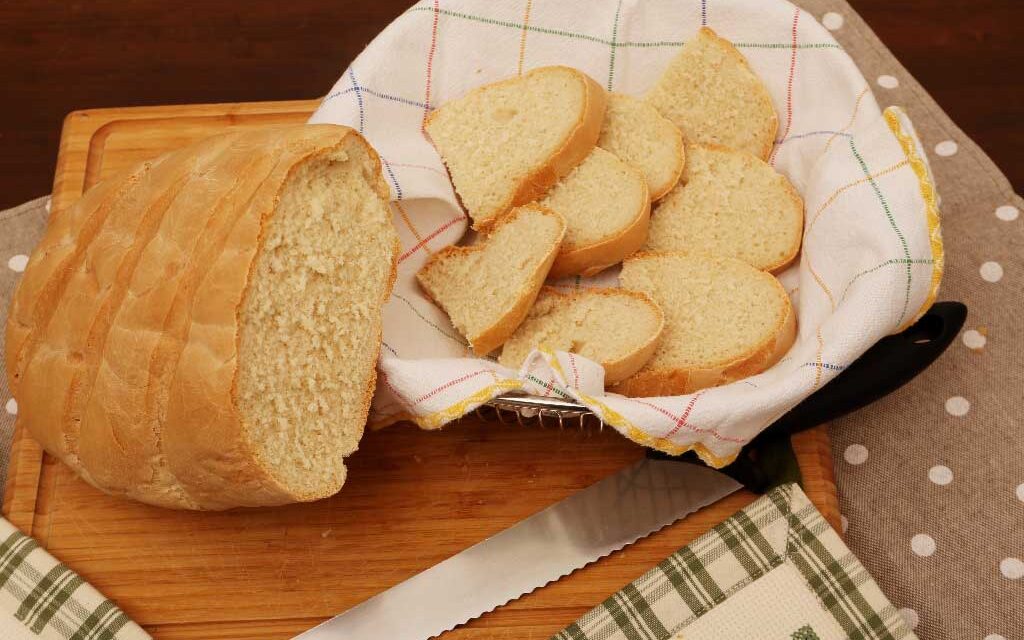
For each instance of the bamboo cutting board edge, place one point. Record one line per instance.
(34, 479)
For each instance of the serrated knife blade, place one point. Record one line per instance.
(623, 507)
(590, 524)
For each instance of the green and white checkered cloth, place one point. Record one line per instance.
(41, 599)
(773, 571)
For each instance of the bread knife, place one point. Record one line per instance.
(626, 506)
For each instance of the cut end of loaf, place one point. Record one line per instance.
(310, 324)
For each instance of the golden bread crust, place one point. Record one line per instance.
(495, 335)
(679, 381)
(130, 309)
(620, 369)
(576, 146)
(589, 260)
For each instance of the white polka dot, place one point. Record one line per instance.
(990, 271)
(923, 545)
(888, 82)
(832, 21)
(1012, 568)
(974, 339)
(995, 636)
(12, 407)
(844, 523)
(958, 406)
(18, 262)
(910, 617)
(856, 454)
(946, 148)
(940, 474)
(1020, 492)
(1007, 212)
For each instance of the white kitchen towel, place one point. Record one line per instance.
(872, 254)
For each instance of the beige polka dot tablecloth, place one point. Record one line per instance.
(20, 230)
(931, 479)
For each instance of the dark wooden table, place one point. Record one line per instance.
(60, 55)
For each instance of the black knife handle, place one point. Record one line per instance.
(888, 365)
(891, 363)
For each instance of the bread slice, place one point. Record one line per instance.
(730, 203)
(487, 288)
(724, 320)
(606, 207)
(505, 144)
(635, 132)
(202, 331)
(616, 328)
(712, 95)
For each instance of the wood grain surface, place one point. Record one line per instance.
(62, 56)
(413, 497)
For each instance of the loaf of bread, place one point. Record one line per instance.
(724, 320)
(487, 288)
(730, 203)
(607, 209)
(712, 95)
(616, 328)
(201, 331)
(641, 137)
(505, 144)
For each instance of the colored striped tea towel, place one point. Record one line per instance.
(774, 571)
(872, 255)
(41, 599)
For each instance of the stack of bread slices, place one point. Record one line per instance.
(560, 177)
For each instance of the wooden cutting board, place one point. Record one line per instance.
(413, 497)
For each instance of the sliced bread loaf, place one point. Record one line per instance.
(202, 331)
(616, 328)
(635, 132)
(730, 203)
(712, 95)
(724, 320)
(487, 288)
(505, 144)
(606, 207)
